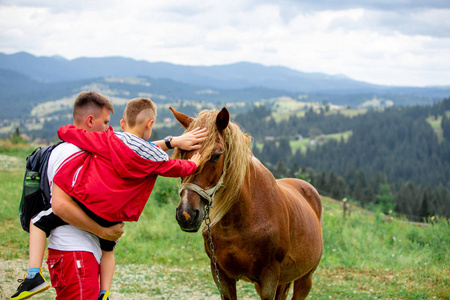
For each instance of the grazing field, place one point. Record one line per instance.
(365, 257)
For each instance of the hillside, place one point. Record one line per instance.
(398, 158)
(351, 143)
(364, 255)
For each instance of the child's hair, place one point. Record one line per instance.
(88, 102)
(139, 110)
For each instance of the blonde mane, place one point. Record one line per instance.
(237, 158)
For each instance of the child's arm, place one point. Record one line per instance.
(187, 141)
(94, 142)
(64, 207)
(178, 167)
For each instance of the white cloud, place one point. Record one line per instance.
(381, 42)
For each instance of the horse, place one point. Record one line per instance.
(258, 229)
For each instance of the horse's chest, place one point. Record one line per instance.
(242, 256)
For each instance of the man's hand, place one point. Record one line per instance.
(112, 233)
(64, 207)
(191, 140)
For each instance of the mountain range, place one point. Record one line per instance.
(233, 76)
(26, 80)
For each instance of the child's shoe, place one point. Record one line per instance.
(104, 296)
(30, 287)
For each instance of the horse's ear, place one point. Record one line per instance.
(223, 118)
(184, 120)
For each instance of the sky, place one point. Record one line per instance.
(388, 42)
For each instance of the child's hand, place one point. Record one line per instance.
(113, 233)
(191, 140)
(196, 158)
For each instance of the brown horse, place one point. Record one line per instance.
(265, 231)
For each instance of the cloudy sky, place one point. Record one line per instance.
(390, 42)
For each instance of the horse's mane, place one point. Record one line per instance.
(237, 159)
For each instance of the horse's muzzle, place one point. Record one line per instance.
(189, 220)
(190, 211)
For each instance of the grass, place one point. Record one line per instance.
(304, 143)
(436, 125)
(364, 256)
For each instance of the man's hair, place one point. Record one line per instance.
(90, 103)
(139, 110)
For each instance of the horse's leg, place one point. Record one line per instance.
(269, 282)
(227, 285)
(283, 291)
(302, 287)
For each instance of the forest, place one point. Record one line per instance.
(393, 159)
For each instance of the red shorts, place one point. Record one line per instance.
(74, 274)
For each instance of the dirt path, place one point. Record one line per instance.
(130, 282)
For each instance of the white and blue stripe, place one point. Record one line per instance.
(141, 147)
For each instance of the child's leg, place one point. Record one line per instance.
(34, 282)
(36, 246)
(107, 265)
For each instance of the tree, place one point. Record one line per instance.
(445, 125)
(424, 209)
(284, 149)
(385, 198)
(16, 137)
(280, 170)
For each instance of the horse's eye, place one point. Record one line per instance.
(216, 157)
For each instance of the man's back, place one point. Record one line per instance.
(68, 237)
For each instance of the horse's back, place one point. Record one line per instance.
(308, 192)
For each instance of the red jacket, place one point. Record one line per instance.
(113, 182)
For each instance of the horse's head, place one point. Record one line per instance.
(198, 190)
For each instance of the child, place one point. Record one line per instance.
(113, 182)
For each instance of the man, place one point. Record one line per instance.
(74, 250)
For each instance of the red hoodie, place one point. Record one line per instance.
(110, 179)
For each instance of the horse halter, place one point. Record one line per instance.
(208, 194)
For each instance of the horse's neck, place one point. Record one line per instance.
(258, 182)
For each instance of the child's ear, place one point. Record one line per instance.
(150, 123)
(122, 124)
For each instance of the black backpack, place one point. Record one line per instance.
(36, 190)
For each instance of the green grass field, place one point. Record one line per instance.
(304, 143)
(364, 256)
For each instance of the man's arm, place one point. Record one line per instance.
(187, 141)
(64, 207)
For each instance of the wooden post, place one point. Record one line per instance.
(344, 206)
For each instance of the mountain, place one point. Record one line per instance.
(26, 79)
(233, 76)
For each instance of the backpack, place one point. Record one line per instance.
(35, 190)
